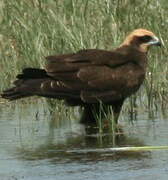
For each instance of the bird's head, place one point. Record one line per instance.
(142, 39)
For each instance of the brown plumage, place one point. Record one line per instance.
(91, 76)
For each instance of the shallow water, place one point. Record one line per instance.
(36, 144)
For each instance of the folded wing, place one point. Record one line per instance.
(90, 75)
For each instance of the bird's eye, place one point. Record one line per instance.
(145, 38)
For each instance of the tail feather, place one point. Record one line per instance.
(27, 84)
(12, 95)
(32, 73)
(37, 82)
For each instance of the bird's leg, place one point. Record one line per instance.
(88, 116)
(88, 119)
(116, 109)
(93, 114)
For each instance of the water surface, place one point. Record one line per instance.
(38, 144)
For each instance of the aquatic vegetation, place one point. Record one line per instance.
(31, 30)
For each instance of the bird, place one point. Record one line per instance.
(90, 77)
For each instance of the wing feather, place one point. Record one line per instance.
(90, 75)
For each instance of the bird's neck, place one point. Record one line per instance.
(134, 54)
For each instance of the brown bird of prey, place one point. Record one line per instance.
(90, 77)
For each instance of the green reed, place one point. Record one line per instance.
(31, 30)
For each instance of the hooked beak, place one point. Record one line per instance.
(155, 41)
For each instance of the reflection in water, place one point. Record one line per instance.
(33, 132)
(58, 133)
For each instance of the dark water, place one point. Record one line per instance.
(36, 144)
